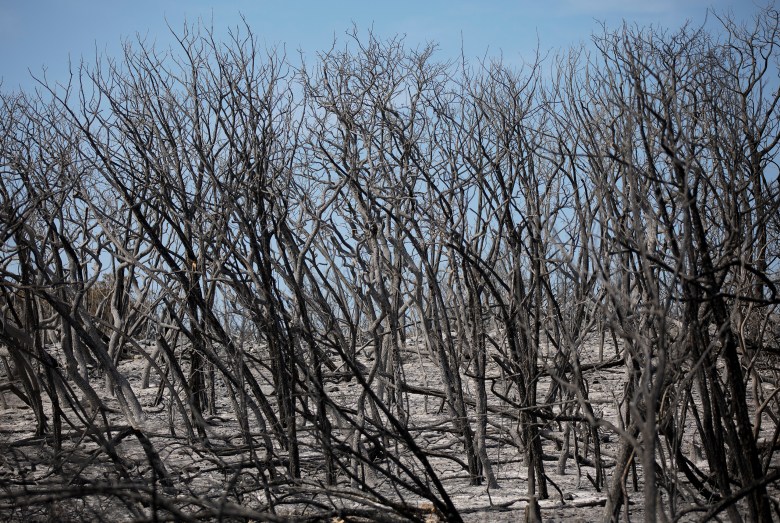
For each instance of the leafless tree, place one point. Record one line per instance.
(264, 234)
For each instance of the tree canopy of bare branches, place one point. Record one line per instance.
(338, 280)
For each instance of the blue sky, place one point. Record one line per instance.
(38, 34)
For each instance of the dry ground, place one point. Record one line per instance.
(222, 471)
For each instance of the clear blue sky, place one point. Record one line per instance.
(37, 34)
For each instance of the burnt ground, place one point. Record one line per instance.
(34, 488)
